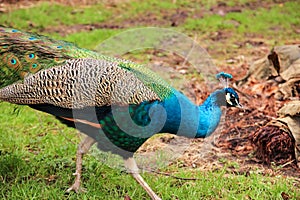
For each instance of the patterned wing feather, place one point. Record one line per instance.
(80, 83)
(22, 54)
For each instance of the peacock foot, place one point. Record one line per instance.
(76, 185)
(76, 189)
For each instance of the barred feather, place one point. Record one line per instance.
(80, 83)
(22, 54)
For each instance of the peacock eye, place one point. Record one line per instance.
(31, 38)
(34, 65)
(31, 56)
(13, 61)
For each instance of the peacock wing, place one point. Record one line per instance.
(86, 82)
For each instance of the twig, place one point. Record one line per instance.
(167, 174)
(237, 130)
(291, 161)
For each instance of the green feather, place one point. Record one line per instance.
(149, 78)
(24, 53)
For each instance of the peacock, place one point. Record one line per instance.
(116, 103)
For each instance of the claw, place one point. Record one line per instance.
(76, 188)
(76, 185)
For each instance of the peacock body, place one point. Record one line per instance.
(118, 103)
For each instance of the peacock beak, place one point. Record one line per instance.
(240, 106)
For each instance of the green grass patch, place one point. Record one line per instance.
(155, 6)
(46, 14)
(275, 20)
(91, 39)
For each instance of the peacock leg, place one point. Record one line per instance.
(82, 149)
(133, 169)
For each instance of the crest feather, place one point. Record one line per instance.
(224, 78)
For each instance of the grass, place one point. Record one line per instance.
(37, 152)
(273, 21)
(55, 14)
(37, 161)
(90, 40)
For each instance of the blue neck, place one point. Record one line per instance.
(192, 120)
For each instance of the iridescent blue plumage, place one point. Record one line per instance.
(175, 114)
(190, 120)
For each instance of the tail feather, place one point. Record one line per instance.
(24, 53)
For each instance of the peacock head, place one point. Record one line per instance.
(231, 97)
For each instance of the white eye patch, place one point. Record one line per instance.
(228, 98)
